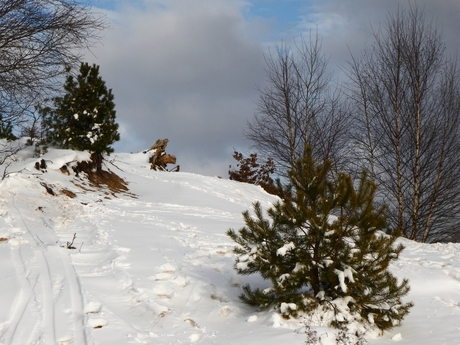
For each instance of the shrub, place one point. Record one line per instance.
(248, 170)
(6, 130)
(84, 118)
(323, 250)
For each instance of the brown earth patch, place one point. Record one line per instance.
(68, 193)
(98, 178)
(108, 178)
(48, 188)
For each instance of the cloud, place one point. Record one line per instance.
(186, 71)
(346, 25)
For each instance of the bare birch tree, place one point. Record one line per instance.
(298, 107)
(39, 41)
(406, 93)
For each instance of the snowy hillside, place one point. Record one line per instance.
(152, 265)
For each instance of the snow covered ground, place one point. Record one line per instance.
(153, 265)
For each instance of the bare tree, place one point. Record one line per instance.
(39, 41)
(406, 93)
(298, 108)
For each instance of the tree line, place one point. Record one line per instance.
(396, 116)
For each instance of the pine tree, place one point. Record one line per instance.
(323, 249)
(6, 130)
(84, 118)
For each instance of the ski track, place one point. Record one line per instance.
(49, 306)
(25, 301)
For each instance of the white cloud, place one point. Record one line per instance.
(187, 70)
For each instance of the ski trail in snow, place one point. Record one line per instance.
(76, 300)
(51, 310)
(123, 310)
(20, 320)
(25, 312)
(47, 298)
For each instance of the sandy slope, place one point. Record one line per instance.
(154, 265)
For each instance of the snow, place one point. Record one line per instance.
(285, 248)
(154, 266)
(287, 306)
(341, 277)
(397, 337)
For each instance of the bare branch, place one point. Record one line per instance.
(39, 41)
(299, 108)
(405, 93)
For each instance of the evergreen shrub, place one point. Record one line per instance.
(84, 117)
(324, 249)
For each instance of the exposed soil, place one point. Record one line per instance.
(68, 193)
(96, 178)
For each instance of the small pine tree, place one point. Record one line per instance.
(323, 250)
(84, 118)
(6, 130)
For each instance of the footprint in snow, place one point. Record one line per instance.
(145, 338)
(180, 281)
(168, 268)
(168, 272)
(93, 308)
(225, 311)
(164, 292)
(97, 323)
(194, 338)
(448, 302)
(453, 275)
(65, 341)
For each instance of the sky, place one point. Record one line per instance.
(189, 70)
